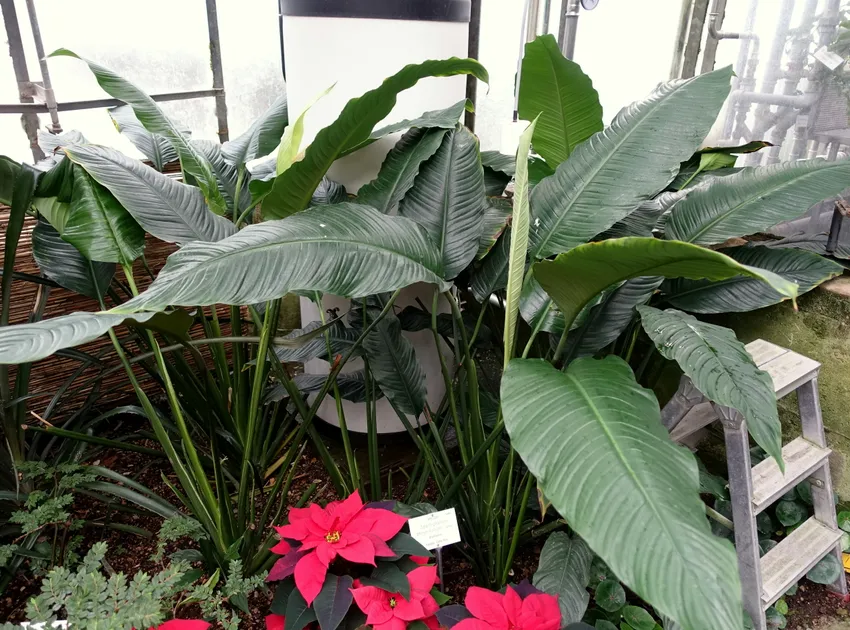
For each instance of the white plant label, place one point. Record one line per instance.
(435, 530)
(828, 58)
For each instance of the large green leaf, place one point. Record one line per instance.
(594, 440)
(811, 243)
(740, 294)
(64, 264)
(437, 119)
(392, 361)
(564, 570)
(99, 226)
(447, 199)
(576, 277)
(166, 208)
(262, 136)
(556, 89)
(155, 121)
(156, 148)
(644, 219)
(624, 165)
(225, 173)
(341, 341)
(351, 385)
(25, 343)
(538, 309)
(519, 242)
(345, 249)
(754, 200)
(720, 367)
(400, 168)
(9, 170)
(292, 190)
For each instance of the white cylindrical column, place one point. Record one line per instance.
(356, 45)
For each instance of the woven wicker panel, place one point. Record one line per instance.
(51, 373)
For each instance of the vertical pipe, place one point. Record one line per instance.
(718, 13)
(533, 20)
(569, 28)
(280, 27)
(547, 15)
(522, 42)
(474, 51)
(681, 36)
(217, 71)
(19, 65)
(740, 68)
(692, 45)
(49, 96)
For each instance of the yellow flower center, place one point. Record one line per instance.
(393, 602)
(332, 537)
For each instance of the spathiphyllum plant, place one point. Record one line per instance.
(560, 292)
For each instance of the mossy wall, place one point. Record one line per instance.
(820, 329)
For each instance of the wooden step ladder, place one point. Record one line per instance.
(764, 579)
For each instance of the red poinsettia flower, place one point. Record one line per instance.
(494, 611)
(183, 624)
(275, 622)
(343, 528)
(391, 611)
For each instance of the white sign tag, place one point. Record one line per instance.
(828, 58)
(435, 530)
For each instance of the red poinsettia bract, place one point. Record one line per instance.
(391, 611)
(275, 622)
(494, 611)
(183, 624)
(343, 528)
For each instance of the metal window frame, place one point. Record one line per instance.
(38, 97)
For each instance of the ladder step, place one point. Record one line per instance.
(801, 457)
(791, 559)
(788, 369)
(763, 351)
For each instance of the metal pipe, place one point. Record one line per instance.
(217, 70)
(569, 28)
(681, 36)
(740, 68)
(19, 65)
(718, 12)
(49, 96)
(41, 108)
(533, 20)
(522, 42)
(473, 51)
(547, 14)
(798, 101)
(695, 28)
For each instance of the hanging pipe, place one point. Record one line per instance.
(522, 41)
(569, 28)
(49, 96)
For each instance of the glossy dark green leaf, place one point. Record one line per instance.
(341, 341)
(645, 218)
(345, 250)
(50, 143)
(811, 243)
(352, 386)
(555, 89)
(604, 181)
(827, 571)
(9, 170)
(564, 570)
(497, 215)
(390, 578)
(721, 368)
(333, 601)
(447, 199)
(791, 513)
(99, 226)
(298, 613)
(492, 275)
(610, 596)
(154, 147)
(754, 199)
(262, 136)
(393, 362)
(538, 309)
(405, 545)
(638, 618)
(627, 475)
(400, 168)
(328, 193)
(155, 121)
(740, 294)
(292, 190)
(64, 264)
(169, 210)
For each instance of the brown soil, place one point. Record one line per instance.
(815, 607)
